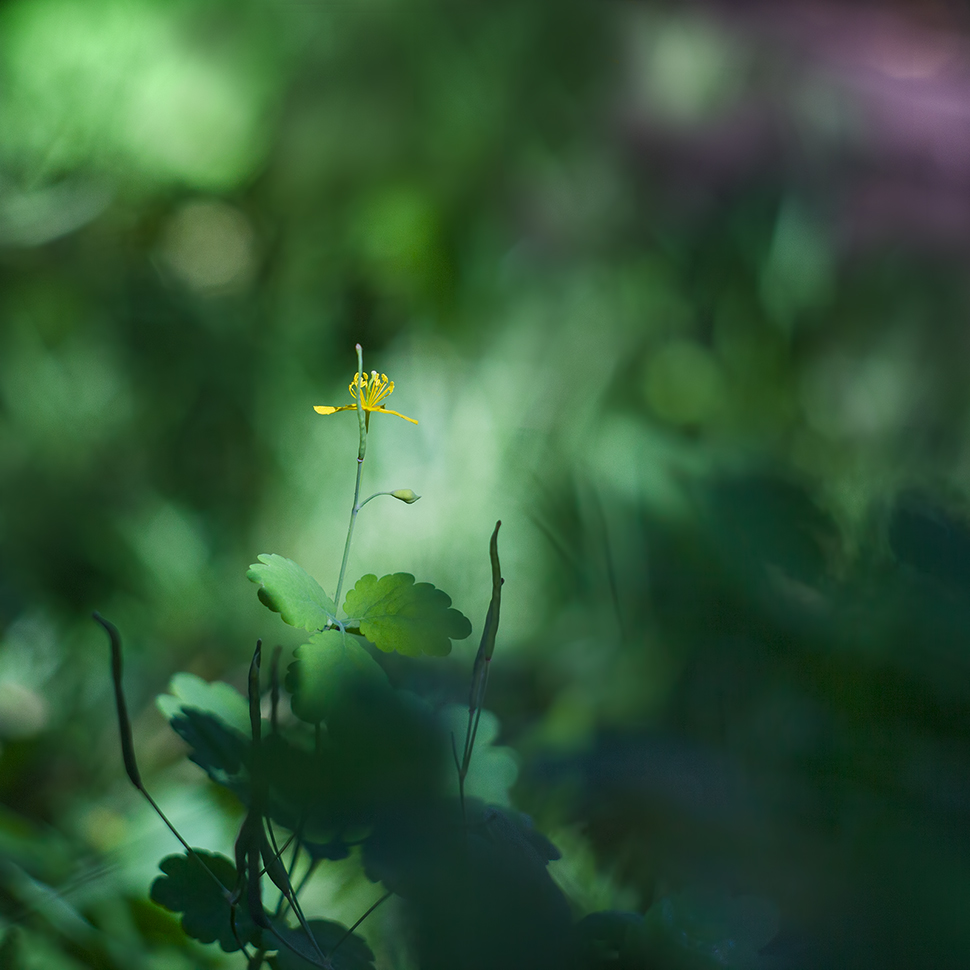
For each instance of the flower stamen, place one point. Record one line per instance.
(374, 389)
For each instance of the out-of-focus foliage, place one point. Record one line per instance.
(677, 292)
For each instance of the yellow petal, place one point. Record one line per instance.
(383, 410)
(324, 409)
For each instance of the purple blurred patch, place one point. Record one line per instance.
(888, 146)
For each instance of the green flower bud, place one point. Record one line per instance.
(405, 495)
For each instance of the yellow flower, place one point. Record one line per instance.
(375, 388)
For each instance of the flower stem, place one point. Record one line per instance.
(361, 451)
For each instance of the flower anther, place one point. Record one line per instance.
(373, 389)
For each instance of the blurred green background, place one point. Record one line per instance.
(678, 292)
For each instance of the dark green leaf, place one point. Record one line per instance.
(331, 669)
(475, 883)
(351, 954)
(188, 889)
(333, 850)
(189, 691)
(288, 589)
(397, 614)
(217, 749)
(213, 719)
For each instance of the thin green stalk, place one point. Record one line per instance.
(483, 660)
(369, 497)
(350, 932)
(361, 451)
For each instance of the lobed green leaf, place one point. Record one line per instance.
(220, 751)
(331, 670)
(352, 952)
(395, 613)
(188, 889)
(187, 691)
(288, 589)
(213, 719)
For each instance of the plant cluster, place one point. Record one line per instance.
(369, 769)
